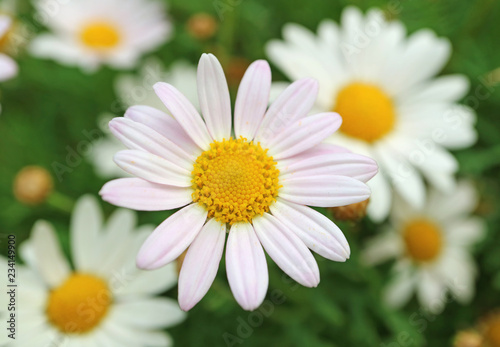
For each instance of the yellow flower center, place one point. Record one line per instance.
(100, 36)
(423, 240)
(367, 111)
(235, 180)
(492, 331)
(79, 304)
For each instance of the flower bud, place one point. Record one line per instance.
(352, 212)
(32, 185)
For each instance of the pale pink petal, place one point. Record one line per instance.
(165, 125)
(185, 113)
(50, 260)
(213, 95)
(135, 135)
(324, 191)
(141, 195)
(318, 232)
(172, 237)
(303, 134)
(320, 149)
(342, 164)
(201, 264)
(252, 99)
(287, 250)
(246, 266)
(294, 103)
(152, 168)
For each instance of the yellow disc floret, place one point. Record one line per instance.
(235, 180)
(100, 36)
(79, 304)
(423, 240)
(367, 111)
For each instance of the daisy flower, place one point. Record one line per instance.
(138, 89)
(432, 248)
(104, 300)
(8, 67)
(252, 184)
(392, 106)
(90, 33)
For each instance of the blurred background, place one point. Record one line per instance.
(50, 112)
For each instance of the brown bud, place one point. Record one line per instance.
(32, 185)
(235, 70)
(468, 338)
(353, 212)
(490, 329)
(202, 26)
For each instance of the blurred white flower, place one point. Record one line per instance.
(104, 300)
(138, 89)
(393, 109)
(8, 67)
(90, 33)
(432, 248)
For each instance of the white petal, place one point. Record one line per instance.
(431, 291)
(148, 313)
(287, 250)
(462, 201)
(185, 113)
(447, 88)
(324, 191)
(8, 67)
(201, 263)
(466, 231)
(293, 104)
(252, 99)
(138, 136)
(401, 287)
(152, 168)
(86, 224)
(51, 263)
(380, 199)
(318, 232)
(172, 237)
(382, 248)
(147, 282)
(213, 95)
(138, 194)
(165, 125)
(303, 134)
(246, 266)
(342, 164)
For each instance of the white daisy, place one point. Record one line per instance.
(90, 33)
(138, 89)
(104, 300)
(8, 67)
(253, 184)
(432, 248)
(383, 86)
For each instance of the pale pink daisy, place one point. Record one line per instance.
(252, 183)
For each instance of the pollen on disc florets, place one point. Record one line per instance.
(235, 180)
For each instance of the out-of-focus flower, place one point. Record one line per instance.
(8, 67)
(254, 185)
(32, 185)
(202, 26)
(90, 33)
(138, 89)
(393, 109)
(468, 338)
(490, 329)
(352, 212)
(432, 248)
(105, 300)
